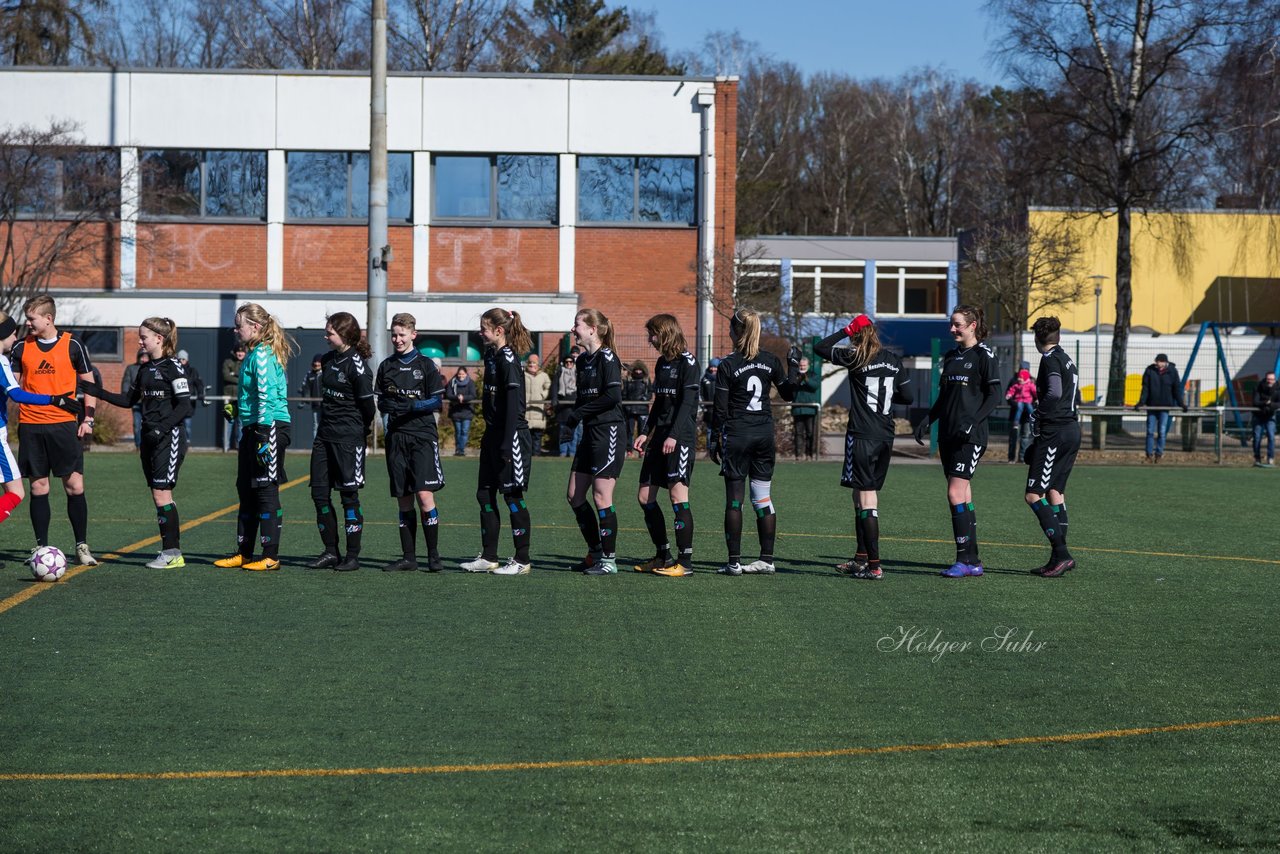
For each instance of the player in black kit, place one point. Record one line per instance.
(163, 392)
(1055, 427)
(347, 408)
(672, 444)
(598, 461)
(506, 449)
(410, 393)
(969, 391)
(743, 444)
(877, 381)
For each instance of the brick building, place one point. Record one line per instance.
(538, 193)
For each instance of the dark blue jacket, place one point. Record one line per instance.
(1161, 388)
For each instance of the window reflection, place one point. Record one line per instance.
(666, 189)
(637, 189)
(527, 187)
(185, 182)
(606, 189)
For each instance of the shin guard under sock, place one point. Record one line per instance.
(767, 530)
(860, 532)
(40, 517)
(490, 525)
(519, 526)
(588, 525)
(9, 502)
(1049, 524)
(684, 531)
(964, 526)
(869, 520)
(167, 520)
(78, 513)
(657, 525)
(1060, 511)
(353, 522)
(431, 531)
(270, 520)
(733, 519)
(608, 532)
(327, 525)
(407, 524)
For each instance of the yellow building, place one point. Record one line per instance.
(1188, 266)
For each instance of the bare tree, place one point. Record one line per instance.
(309, 34)
(1122, 82)
(59, 204)
(444, 35)
(46, 32)
(1024, 270)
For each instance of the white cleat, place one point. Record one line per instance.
(604, 566)
(168, 559)
(84, 556)
(480, 564)
(759, 567)
(513, 567)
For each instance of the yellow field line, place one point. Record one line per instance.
(553, 765)
(36, 588)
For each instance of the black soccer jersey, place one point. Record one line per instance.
(743, 388)
(873, 390)
(675, 398)
(1058, 374)
(406, 381)
(967, 380)
(162, 391)
(599, 388)
(503, 404)
(345, 380)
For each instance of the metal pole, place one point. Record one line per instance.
(379, 249)
(1097, 336)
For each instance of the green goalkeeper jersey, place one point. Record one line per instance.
(263, 389)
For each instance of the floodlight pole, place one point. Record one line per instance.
(1098, 279)
(379, 249)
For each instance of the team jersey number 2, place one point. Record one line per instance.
(756, 389)
(880, 394)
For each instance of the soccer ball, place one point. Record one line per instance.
(48, 564)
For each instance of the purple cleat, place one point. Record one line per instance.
(962, 570)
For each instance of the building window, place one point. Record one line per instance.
(204, 184)
(335, 185)
(919, 289)
(637, 190)
(517, 188)
(62, 181)
(833, 287)
(102, 344)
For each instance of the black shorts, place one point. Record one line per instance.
(748, 454)
(49, 448)
(262, 469)
(602, 450)
(413, 464)
(1050, 459)
(666, 470)
(337, 465)
(960, 459)
(505, 469)
(866, 463)
(162, 456)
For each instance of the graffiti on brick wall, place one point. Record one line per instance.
(185, 250)
(490, 256)
(309, 246)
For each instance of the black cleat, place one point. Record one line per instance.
(327, 560)
(404, 564)
(1056, 568)
(434, 564)
(350, 563)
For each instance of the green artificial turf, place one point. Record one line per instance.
(122, 669)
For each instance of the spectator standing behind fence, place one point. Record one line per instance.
(197, 388)
(1161, 391)
(126, 383)
(636, 391)
(707, 396)
(460, 392)
(1266, 400)
(1021, 395)
(537, 396)
(311, 387)
(804, 418)
(231, 391)
(564, 395)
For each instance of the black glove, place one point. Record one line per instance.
(154, 432)
(229, 411)
(922, 431)
(66, 404)
(571, 420)
(1184, 407)
(794, 355)
(713, 449)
